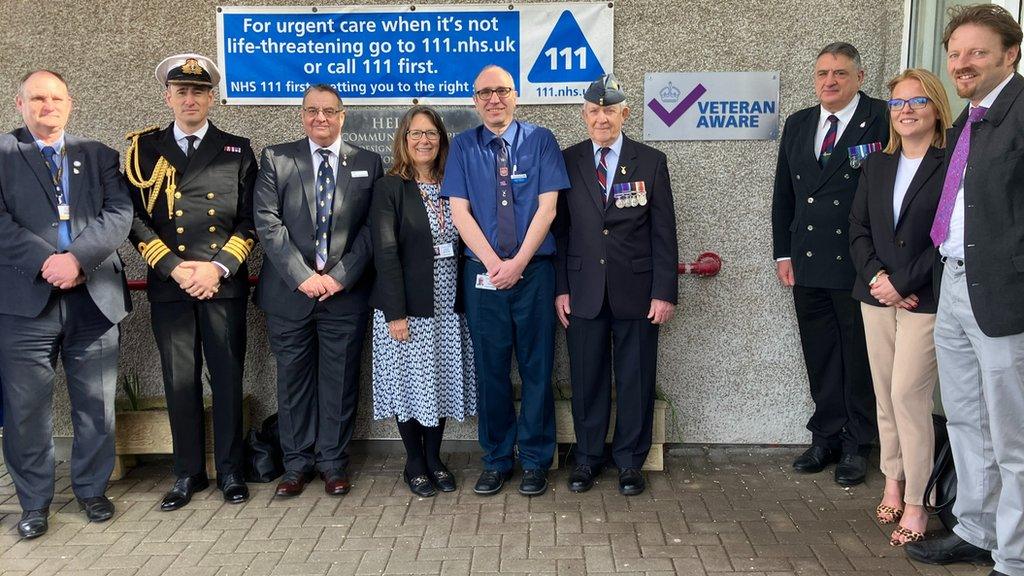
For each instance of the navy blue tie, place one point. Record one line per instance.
(64, 230)
(506, 211)
(324, 196)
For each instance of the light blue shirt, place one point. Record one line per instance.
(182, 138)
(611, 161)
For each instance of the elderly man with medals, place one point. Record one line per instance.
(192, 187)
(615, 273)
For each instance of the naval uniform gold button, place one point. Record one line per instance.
(810, 227)
(181, 247)
(605, 231)
(209, 195)
(178, 213)
(214, 245)
(211, 212)
(810, 200)
(177, 194)
(180, 230)
(213, 228)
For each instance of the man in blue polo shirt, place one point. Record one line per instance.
(502, 179)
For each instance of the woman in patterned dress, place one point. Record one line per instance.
(422, 356)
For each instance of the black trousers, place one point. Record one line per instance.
(631, 346)
(318, 360)
(832, 336)
(186, 332)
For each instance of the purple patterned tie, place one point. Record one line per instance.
(954, 175)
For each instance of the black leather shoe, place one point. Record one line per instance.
(443, 479)
(581, 479)
(234, 488)
(534, 482)
(181, 493)
(814, 459)
(947, 550)
(491, 482)
(97, 508)
(851, 470)
(33, 523)
(631, 482)
(420, 485)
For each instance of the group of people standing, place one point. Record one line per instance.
(918, 215)
(459, 250)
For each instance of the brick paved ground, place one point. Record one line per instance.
(714, 511)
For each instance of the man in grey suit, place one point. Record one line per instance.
(311, 202)
(979, 327)
(64, 210)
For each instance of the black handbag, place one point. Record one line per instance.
(264, 460)
(941, 487)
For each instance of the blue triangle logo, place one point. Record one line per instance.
(566, 56)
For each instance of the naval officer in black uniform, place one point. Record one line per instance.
(192, 188)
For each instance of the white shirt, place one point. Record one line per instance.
(904, 175)
(844, 115)
(182, 138)
(335, 149)
(953, 247)
(611, 161)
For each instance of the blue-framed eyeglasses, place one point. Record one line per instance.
(916, 103)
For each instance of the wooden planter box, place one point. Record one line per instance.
(565, 433)
(148, 431)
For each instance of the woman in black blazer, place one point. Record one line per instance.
(892, 251)
(422, 356)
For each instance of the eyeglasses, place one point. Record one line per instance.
(916, 103)
(313, 112)
(485, 93)
(419, 134)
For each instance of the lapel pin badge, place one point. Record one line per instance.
(862, 124)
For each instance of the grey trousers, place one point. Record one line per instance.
(72, 327)
(982, 382)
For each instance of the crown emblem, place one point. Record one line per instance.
(192, 66)
(669, 94)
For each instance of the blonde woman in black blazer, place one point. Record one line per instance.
(892, 252)
(422, 356)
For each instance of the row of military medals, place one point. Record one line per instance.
(629, 194)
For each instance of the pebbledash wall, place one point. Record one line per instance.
(730, 362)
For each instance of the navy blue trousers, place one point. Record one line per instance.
(520, 320)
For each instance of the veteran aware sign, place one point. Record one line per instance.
(711, 106)
(402, 54)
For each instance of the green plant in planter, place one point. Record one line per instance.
(131, 383)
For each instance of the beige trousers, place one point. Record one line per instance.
(901, 350)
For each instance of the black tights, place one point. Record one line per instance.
(422, 446)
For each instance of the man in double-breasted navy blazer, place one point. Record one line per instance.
(615, 284)
(312, 204)
(815, 181)
(192, 187)
(63, 212)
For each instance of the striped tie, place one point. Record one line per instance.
(602, 173)
(829, 142)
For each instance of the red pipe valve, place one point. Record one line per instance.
(707, 264)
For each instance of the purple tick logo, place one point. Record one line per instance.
(669, 117)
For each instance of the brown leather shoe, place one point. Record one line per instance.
(336, 482)
(293, 483)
